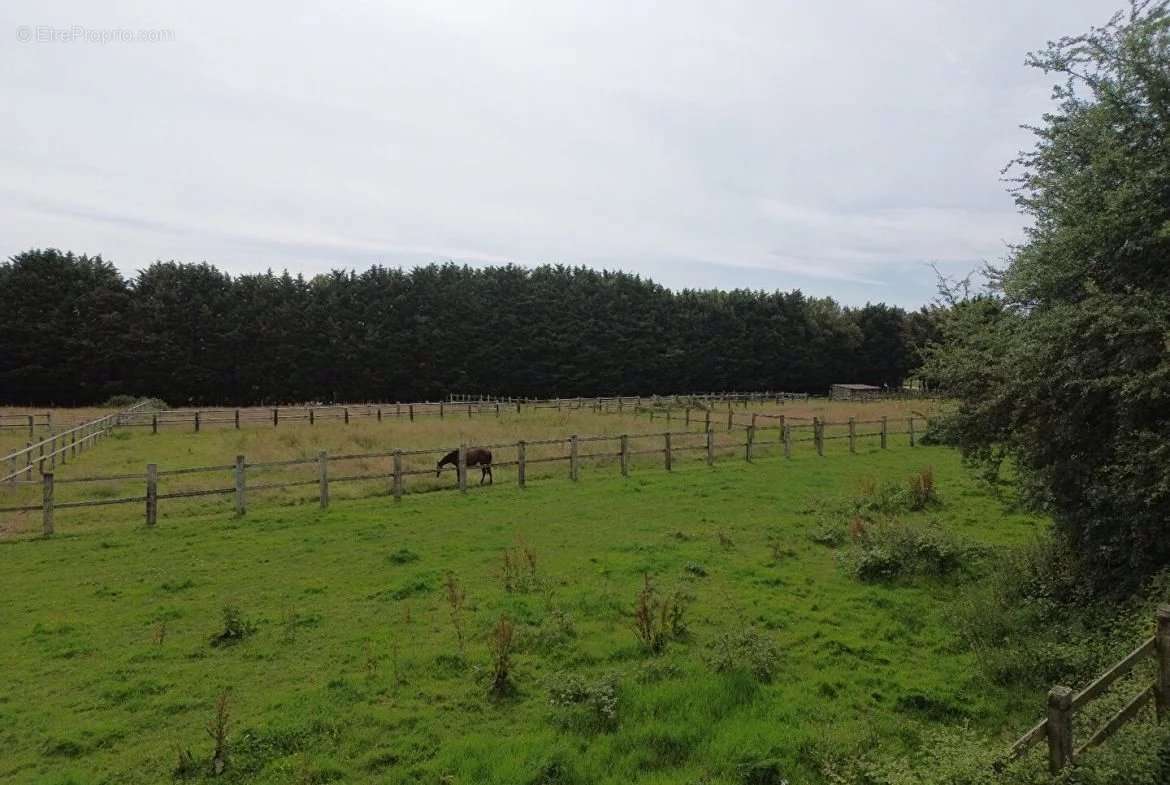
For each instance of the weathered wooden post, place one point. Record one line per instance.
(910, 422)
(573, 466)
(786, 432)
(462, 468)
(47, 503)
(441, 415)
(707, 420)
(398, 475)
(625, 455)
(323, 478)
(53, 452)
(151, 494)
(32, 428)
(521, 457)
(819, 436)
(275, 417)
(241, 487)
(1162, 649)
(730, 416)
(196, 422)
(379, 414)
(749, 442)
(710, 446)
(469, 411)
(1060, 731)
(885, 430)
(237, 419)
(666, 452)
(497, 410)
(688, 418)
(517, 406)
(154, 424)
(411, 412)
(852, 435)
(312, 416)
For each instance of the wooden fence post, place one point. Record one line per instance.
(666, 452)
(852, 435)
(688, 418)
(32, 428)
(749, 442)
(323, 475)
(47, 503)
(411, 412)
(710, 446)
(910, 421)
(1060, 735)
(53, 453)
(573, 466)
(1162, 648)
(885, 430)
(462, 467)
(237, 419)
(707, 421)
(819, 436)
(521, 457)
(275, 417)
(241, 488)
(398, 475)
(441, 409)
(786, 433)
(730, 416)
(347, 415)
(154, 424)
(312, 416)
(625, 455)
(196, 422)
(151, 494)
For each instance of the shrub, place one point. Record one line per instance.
(236, 627)
(921, 489)
(217, 729)
(892, 549)
(828, 534)
(592, 704)
(747, 650)
(402, 556)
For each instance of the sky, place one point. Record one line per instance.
(839, 148)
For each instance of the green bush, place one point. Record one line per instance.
(893, 549)
(746, 650)
(587, 704)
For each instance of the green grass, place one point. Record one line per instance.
(354, 673)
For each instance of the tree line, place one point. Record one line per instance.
(75, 331)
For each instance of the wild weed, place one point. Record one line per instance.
(217, 729)
(746, 649)
(236, 627)
(455, 599)
(501, 643)
(658, 619)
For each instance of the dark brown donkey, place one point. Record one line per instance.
(476, 456)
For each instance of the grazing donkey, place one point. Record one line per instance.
(476, 456)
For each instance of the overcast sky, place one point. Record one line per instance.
(836, 147)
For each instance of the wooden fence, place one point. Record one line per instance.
(43, 455)
(28, 422)
(1063, 702)
(464, 406)
(603, 448)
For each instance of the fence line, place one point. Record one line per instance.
(64, 445)
(570, 444)
(455, 406)
(1063, 702)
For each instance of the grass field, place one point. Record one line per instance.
(354, 670)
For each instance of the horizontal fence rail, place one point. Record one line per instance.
(573, 450)
(1063, 702)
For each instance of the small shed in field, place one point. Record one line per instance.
(855, 392)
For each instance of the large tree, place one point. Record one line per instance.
(1067, 372)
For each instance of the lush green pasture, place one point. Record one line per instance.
(354, 672)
